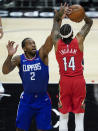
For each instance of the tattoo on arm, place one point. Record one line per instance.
(86, 28)
(56, 25)
(52, 39)
(55, 32)
(9, 64)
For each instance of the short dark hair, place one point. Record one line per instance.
(23, 42)
(65, 29)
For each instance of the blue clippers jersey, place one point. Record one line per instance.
(34, 75)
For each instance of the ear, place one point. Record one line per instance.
(24, 49)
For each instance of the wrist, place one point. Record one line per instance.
(60, 14)
(10, 56)
(57, 17)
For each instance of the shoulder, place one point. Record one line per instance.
(17, 58)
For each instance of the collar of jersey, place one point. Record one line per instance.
(30, 59)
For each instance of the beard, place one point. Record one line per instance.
(30, 54)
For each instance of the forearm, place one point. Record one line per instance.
(55, 31)
(56, 27)
(88, 20)
(58, 17)
(87, 26)
(7, 66)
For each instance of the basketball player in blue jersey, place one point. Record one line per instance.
(33, 70)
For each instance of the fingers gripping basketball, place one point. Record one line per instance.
(77, 13)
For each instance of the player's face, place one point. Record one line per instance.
(30, 46)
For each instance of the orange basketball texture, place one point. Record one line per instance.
(77, 13)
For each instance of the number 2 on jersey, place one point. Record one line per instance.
(71, 63)
(32, 75)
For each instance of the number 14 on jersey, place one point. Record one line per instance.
(71, 63)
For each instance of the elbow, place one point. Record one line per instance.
(88, 20)
(91, 22)
(4, 71)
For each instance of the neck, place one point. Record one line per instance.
(67, 41)
(30, 56)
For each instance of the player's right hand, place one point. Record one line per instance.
(66, 10)
(10, 48)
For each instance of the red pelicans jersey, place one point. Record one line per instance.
(69, 58)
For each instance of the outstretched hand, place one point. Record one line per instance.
(63, 12)
(11, 49)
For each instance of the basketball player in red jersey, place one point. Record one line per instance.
(69, 55)
(1, 29)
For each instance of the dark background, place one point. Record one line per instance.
(35, 8)
(8, 108)
(8, 105)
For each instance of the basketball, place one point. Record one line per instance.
(77, 13)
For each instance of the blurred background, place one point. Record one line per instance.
(41, 8)
(34, 18)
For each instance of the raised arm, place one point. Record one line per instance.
(57, 23)
(84, 31)
(56, 26)
(10, 63)
(51, 39)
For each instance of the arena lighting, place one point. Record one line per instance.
(92, 13)
(46, 14)
(31, 14)
(3, 13)
(16, 14)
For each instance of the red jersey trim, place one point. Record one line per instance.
(29, 59)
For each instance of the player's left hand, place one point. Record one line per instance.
(62, 13)
(65, 9)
